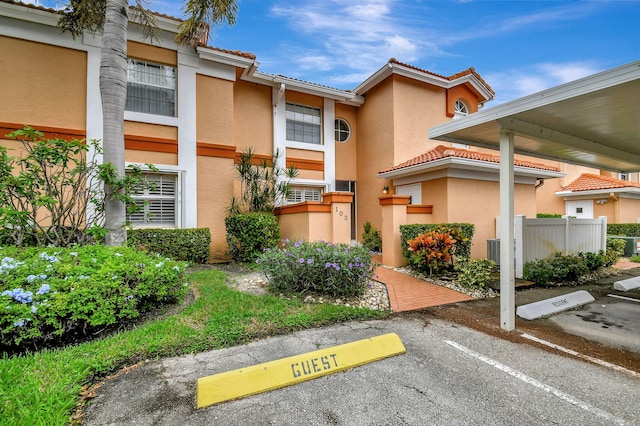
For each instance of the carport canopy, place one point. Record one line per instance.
(593, 121)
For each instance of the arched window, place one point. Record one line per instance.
(343, 131)
(460, 109)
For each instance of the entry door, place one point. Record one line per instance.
(350, 186)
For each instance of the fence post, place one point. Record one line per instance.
(567, 233)
(603, 233)
(519, 244)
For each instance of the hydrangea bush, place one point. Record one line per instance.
(318, 267)
(46, 293)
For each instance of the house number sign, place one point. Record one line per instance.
(341, 214)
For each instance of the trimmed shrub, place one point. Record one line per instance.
(462, 232)
(371, 238)
(250, 234)
(555, 270)
(624, 229)
(615, 250)
(60, 293)
(475, 273)
(593, 261)
(548, 215)
(432, 251)
(318, 267)
(189, 245)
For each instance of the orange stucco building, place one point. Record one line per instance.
(191, 111)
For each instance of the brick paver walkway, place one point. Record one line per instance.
(407, 293)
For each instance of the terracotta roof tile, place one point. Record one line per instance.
(442, 151)
(247, 55)
(469, 71)
(591, 182)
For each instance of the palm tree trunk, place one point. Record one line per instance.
(113, 89)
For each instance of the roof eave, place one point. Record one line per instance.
(469, 164)
(604, 191)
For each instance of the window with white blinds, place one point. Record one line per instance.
(151, 88)
(157, 202)
(304, 124)
(299, 194)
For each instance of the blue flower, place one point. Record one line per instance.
(44, 289)
(310, 261)
(327, 265)
(19, 323)
(350, 265)
(301, 260)
(34, 309)
(257, 260)
(48, 257)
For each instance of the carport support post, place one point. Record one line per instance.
(507, 255)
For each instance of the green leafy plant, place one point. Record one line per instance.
(615, 250)
(548, 215)
(371, 238)
(432, 251)
(558, 269)
(475, 273)
(52, 293)
(318, 267)
(263, 183)
(249, 234)
(463, 232)
(624, 229)
(593, 261)
(190, 245)
(46, 191)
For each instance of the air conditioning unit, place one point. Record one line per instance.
(493, 250)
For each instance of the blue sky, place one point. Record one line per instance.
(518, 47)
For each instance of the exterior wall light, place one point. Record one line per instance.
(385, 189)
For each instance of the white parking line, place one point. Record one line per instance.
(624, 297)
(549, 389)
(579, 355)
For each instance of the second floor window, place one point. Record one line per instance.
(460, 110)
(151, 88)
(299, 194)
(304, 124)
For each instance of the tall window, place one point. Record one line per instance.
(157, 202)
(460, 110)
(151, 88)
(304, 124)
(298, 194)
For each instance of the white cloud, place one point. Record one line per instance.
(516, 83)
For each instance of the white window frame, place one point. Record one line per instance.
(145, 197)
(460, 109)
(302, 193)
(339, 131)
(146, 79)
(301, 115)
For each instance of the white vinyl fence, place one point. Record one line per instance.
(541, 238)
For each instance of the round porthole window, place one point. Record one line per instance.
(343, 131)
(460, 110)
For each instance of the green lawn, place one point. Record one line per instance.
(43, 388)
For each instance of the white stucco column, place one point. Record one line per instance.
(187, 154)
(507, 255)
(329, 144)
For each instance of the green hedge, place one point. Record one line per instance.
(624, 229)
(189, 245)
(249, 234)
(409, 232)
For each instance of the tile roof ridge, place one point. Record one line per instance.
(442, 151)
(593, 182)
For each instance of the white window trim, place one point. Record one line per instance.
(167, 170)
(294, 187)
(175, 86)
(320, 125)
(348, 131)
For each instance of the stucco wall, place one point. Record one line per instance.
(151, 53)
(42, 85)
(253, 117)
(346, 163)
(375, 152)
(214, 110)
(417, 108)
(216, 178)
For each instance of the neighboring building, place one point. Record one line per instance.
(191, 111)
(593, 195)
